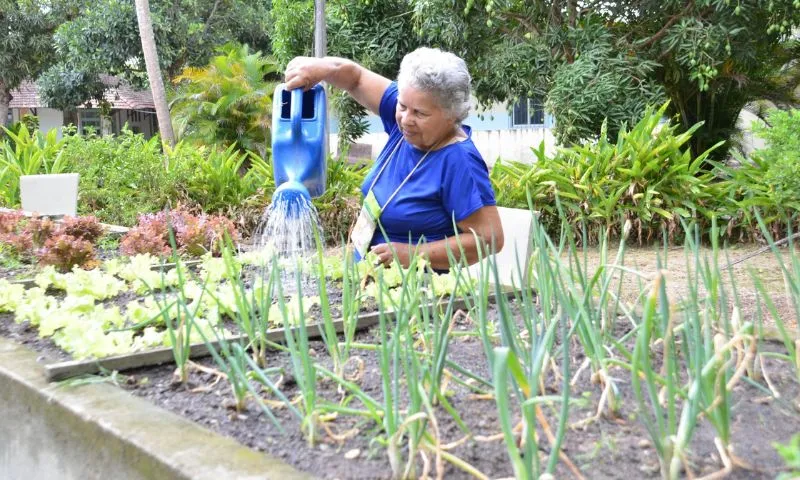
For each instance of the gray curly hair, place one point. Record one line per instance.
(442, 74)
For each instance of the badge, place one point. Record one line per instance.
(367, 222)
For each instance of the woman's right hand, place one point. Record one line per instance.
(305, 72)
(364, 86)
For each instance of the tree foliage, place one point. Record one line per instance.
(376, 34)
(63, 88)
(103, 38)
(601, 85)
(709, 57)
(26, 29)
(590, 60)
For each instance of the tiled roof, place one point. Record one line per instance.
(26, 96)
(121, 96)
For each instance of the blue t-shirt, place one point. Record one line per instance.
(452, 182)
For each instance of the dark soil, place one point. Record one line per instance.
(19, 271)
(28, 335)
(606, 448)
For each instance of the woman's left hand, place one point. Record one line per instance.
(385, 256)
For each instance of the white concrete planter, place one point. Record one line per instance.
(53, 194)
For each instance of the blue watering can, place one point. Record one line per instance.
(299, 142)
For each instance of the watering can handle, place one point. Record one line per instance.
(296, 112)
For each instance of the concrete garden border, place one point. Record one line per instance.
(102, 432)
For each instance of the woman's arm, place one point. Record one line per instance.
(485, 223)
(365, 86)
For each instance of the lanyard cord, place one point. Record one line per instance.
(391, 155)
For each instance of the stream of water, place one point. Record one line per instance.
(286, 230)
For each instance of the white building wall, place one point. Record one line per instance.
(750, 141)
(510, 144)
(50, 119)
(138, 122)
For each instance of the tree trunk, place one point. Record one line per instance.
(154, 72)
(5, 99)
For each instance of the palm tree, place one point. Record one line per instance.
(154, 72)
(228, 101)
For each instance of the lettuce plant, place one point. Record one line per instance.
(63, 245)
(194, 235)
(64, 251)
(9, 221)
(86, 228)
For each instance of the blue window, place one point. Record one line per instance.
(528, 112)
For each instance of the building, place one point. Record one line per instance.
(498, 133)
(128, 106)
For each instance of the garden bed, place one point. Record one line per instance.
(606, 448)
(467, 376)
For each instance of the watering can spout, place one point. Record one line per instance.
(292, 198)
(299, 141)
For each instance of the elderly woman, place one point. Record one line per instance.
(429, 175)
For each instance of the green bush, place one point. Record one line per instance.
(123, 176)
(648, 176)
(27, 152)
(769, 180)
(781, 155)
(218, 182)
(338, 207)
(217, 179)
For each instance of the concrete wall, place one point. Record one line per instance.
(49, 118)
(101, 432)
(492, 133)
(744, 123)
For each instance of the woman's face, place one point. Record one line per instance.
(423, 122)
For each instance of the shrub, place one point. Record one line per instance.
(27, 152)
(648, 176)
(216, 179)
(781, 155)
(338, 207)
(768, 181)
(227, 102)
(123, 176)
